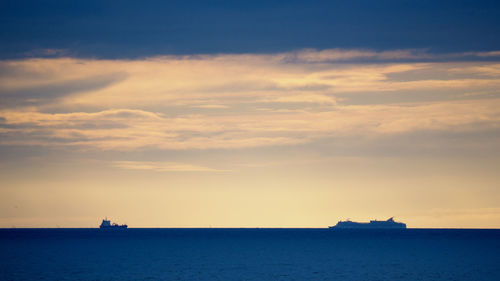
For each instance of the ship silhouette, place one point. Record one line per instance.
(373, 224)
(106, 224)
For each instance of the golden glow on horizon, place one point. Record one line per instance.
(217, 125)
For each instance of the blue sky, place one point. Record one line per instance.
(131, 29)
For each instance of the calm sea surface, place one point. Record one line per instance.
(249, 254)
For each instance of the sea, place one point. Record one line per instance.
(249, 254)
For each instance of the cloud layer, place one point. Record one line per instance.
(240, 101)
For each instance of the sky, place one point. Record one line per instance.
(249, 113)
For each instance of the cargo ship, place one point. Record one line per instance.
(373, 224)
(106, 224)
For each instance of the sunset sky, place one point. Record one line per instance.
(249, 114)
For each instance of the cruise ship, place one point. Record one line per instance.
(106, 224)
(373, 224)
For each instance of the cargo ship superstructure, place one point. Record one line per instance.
(106, 224)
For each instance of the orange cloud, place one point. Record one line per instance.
(237, 101)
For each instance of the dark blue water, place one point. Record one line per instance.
(249, 254)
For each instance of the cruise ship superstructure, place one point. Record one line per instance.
(373, 224)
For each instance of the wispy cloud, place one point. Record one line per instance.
(210, 106)
(360, 55)
(207, 102)
(47, 52)
(342, 55)
(162, 166)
